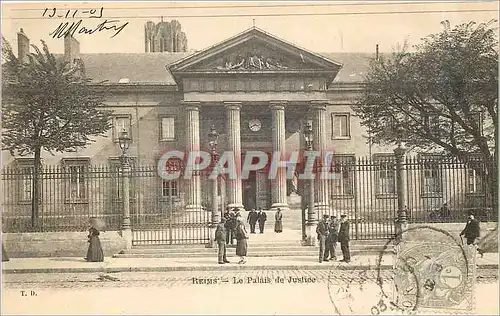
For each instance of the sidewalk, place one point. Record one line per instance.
(110, 265)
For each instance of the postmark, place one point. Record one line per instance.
(431, 272)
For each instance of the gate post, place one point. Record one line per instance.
(215, 214)
(126, 224)
(401, 221)
(124, 142)
(213, 137)
(311, 212)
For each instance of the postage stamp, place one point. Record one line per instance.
(251, 157)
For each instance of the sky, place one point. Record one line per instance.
(332, 26)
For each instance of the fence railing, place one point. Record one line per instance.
(436, 190)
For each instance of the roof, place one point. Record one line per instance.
(151, 68)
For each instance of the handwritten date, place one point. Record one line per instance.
(72, 13)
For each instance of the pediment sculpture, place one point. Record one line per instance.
(251, 62)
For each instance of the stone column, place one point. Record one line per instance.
(322, 197)
(278, 184)
(234, 185)
(193, 184)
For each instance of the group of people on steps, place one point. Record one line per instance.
(329, 230)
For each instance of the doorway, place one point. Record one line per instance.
(257, 191)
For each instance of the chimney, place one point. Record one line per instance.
(23, 45)
(71, 49)
(376, 52)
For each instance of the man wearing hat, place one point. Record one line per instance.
(220, 238)
(331, 240)
(344, 238)
(471, 230)
(322, 231)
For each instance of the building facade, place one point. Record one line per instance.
(258, 91)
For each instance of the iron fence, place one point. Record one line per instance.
(68, 197)
(435, 189)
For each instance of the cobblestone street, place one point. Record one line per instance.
(187, 278)
(210, 292)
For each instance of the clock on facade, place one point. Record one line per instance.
(255, 125)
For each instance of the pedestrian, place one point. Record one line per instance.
(229, 216)
(471, 230)
(444, 212)
(94, 252)
(344, 238)
(252, 219)
(4, 254)
(241, 241)
(220, 238)
(331, 240)
(278, 224)
(322, 232)
(262, 220)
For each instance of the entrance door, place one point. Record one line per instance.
(263, 185)
(249, 192)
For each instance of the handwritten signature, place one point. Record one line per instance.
(67, 28)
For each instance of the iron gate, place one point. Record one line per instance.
(159, 216)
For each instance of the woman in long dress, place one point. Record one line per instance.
(241, 241)
(4, 254)
(94, 253)
(278, 224)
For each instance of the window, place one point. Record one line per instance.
(26, 183)
(78, 183)
(341, 126)
(24, 169)
(431, 122)
(478, 120)
(76, 170)
(121, 123)
(431, 175)
(474, 182)
(167, 128)
(385, 176)
(475, 177)
(170, 188)
(343, 183)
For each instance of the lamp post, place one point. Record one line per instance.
(402, 220)
(213, 138)
(311, 214)
(124, 142)
(399, 152)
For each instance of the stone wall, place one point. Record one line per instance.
(60, 244)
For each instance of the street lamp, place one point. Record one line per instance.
(308, 137)
(124, 142)
(399, 152)
(213, 138)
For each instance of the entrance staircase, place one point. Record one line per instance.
(255, 249)
(270, 244)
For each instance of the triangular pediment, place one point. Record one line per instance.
(254, 51)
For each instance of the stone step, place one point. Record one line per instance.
(251, 253)
(270, 250)
(272, 245)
